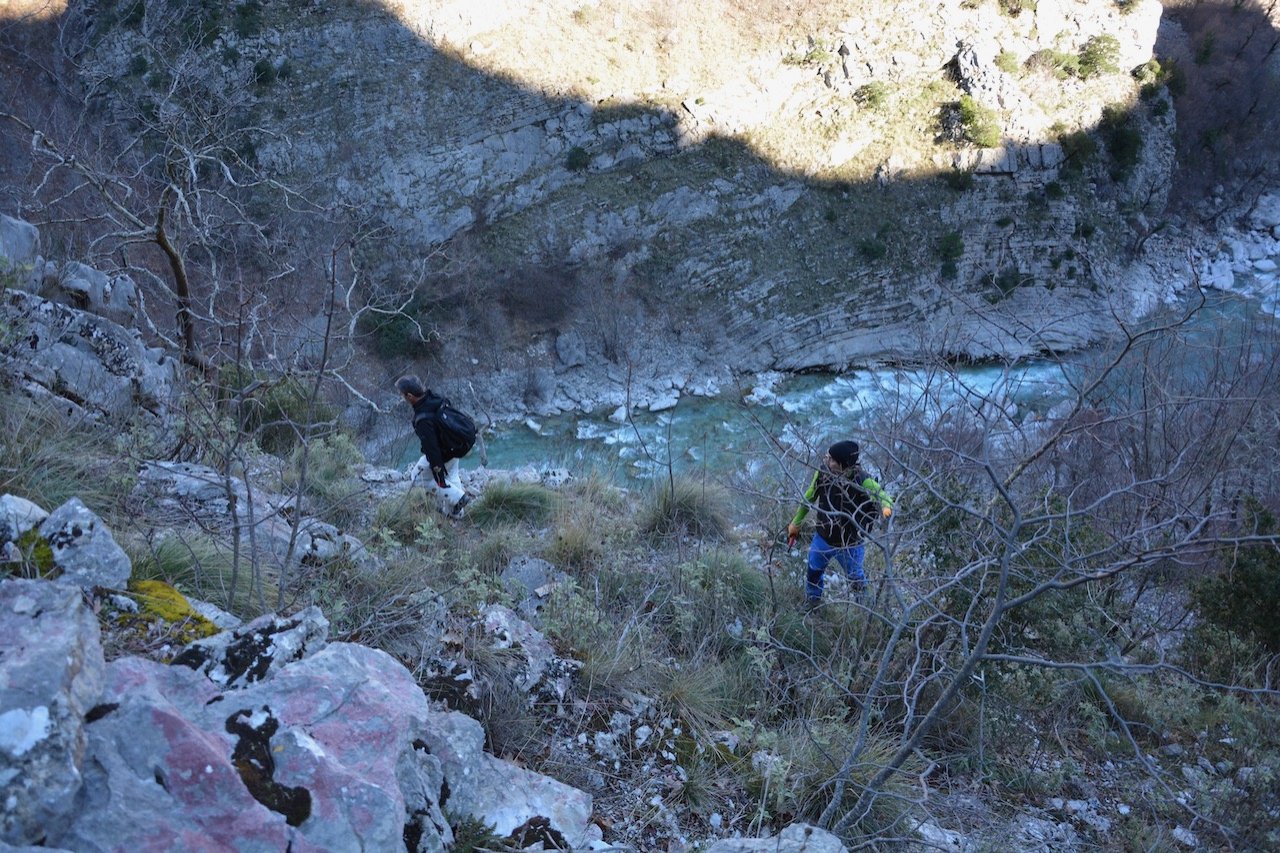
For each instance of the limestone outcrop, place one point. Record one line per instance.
(264, 737)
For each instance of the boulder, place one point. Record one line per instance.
(17, 516)
(19, 243)
(508, 797)
(84, 287)
(571, 349)
(51, 673)
(91, 366)
(83, 549)
(317, 756)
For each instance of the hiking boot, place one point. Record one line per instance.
(459, 509)
(812, 604)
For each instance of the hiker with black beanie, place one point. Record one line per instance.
(846, 502)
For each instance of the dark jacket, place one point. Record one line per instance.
(845, 507)
(425, 413)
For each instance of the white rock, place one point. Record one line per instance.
(1185, 836)
(1265, 265)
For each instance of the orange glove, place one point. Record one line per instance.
(793, 533)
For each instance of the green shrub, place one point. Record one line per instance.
(1056, 62)
(577, 159)
(1205, 50)
(248, 18)
(330, 482)
(1007, 61)
(951, 246)
(1078, 149)
(1099, 55)
(513, 503)
(958, 179)
(274, 409)
(1014, 8)
(871, 248)
(133, 14)
(1054, 191)
(138, 65)
(1123, 140)
(1245, 597)
(981, 126)
(1004, 221)
(405, 334)
(686, 506)
(264, 74)
(873, 95)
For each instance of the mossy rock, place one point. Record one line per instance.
(35, 558)
(159, 601)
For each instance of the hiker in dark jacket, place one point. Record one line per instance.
(846, 502)
(450, 494)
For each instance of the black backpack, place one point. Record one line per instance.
(455, 430)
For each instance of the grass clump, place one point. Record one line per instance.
(411, 519)
(685, 506)
(43, 459)
(200, 565)
(513, 503)
(1007, 61)
(872, 96)
(575, 544)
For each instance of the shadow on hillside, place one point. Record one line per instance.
(500, 148)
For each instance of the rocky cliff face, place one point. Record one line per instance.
(857, 185)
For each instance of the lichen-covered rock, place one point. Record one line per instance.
(308, 759)
(82, 548)
(506, 796)
(176, 492)
(253, 652)
(86, 288)
(796, 838)
(51, 673)
(88, 365)
(544, 673)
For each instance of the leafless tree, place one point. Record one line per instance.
(1059, 542)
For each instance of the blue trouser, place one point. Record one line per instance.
(820, 554)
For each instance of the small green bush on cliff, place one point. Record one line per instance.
(980, 124)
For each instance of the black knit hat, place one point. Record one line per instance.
(844, 452)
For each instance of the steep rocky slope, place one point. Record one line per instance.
(810, 188)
